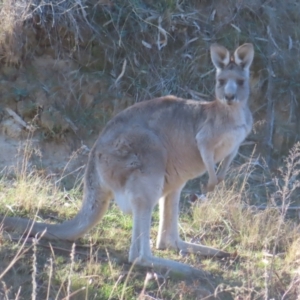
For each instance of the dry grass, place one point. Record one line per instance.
(53, 23)
(265, 245)
(145, 49)
(139, 50)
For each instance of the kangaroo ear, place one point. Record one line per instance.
(220, 56)
(243, 56)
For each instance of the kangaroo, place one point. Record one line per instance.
(147, 153)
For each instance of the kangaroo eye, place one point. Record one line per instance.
(240, 82)
(221, 81)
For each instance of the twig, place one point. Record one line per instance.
(122, 72)
(270, 103)
(34, 269)
(207, 73)
(50, 246)
(265, 206)
(72, 256)
(72, 125)
(161, 31)
(74, 293)
(18, 119)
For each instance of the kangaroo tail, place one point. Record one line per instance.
(94, 205)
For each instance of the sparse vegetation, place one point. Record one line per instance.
(265, 245)
(68, 66)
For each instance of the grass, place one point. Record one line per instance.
(104, 50)
(265, 262)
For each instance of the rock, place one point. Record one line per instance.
(40, 98)
(27, 109)
(9, 72)
(86, 100)
(53, 121)
(11, 128)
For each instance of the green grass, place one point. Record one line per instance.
(265, 245)
(97, 39)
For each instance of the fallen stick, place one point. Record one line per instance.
(18, 119)
(193, 197)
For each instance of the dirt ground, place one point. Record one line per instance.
(67, 67)
(61, 81)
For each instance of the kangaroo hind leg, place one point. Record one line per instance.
(168, 235)
(143, 196)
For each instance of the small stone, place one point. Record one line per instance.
(11, 128)
(52, 120)
(26, 109)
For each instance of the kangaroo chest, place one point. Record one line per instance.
(229, 141)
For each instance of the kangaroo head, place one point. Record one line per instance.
(232, 76)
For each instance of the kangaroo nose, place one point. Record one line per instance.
(229, 97)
